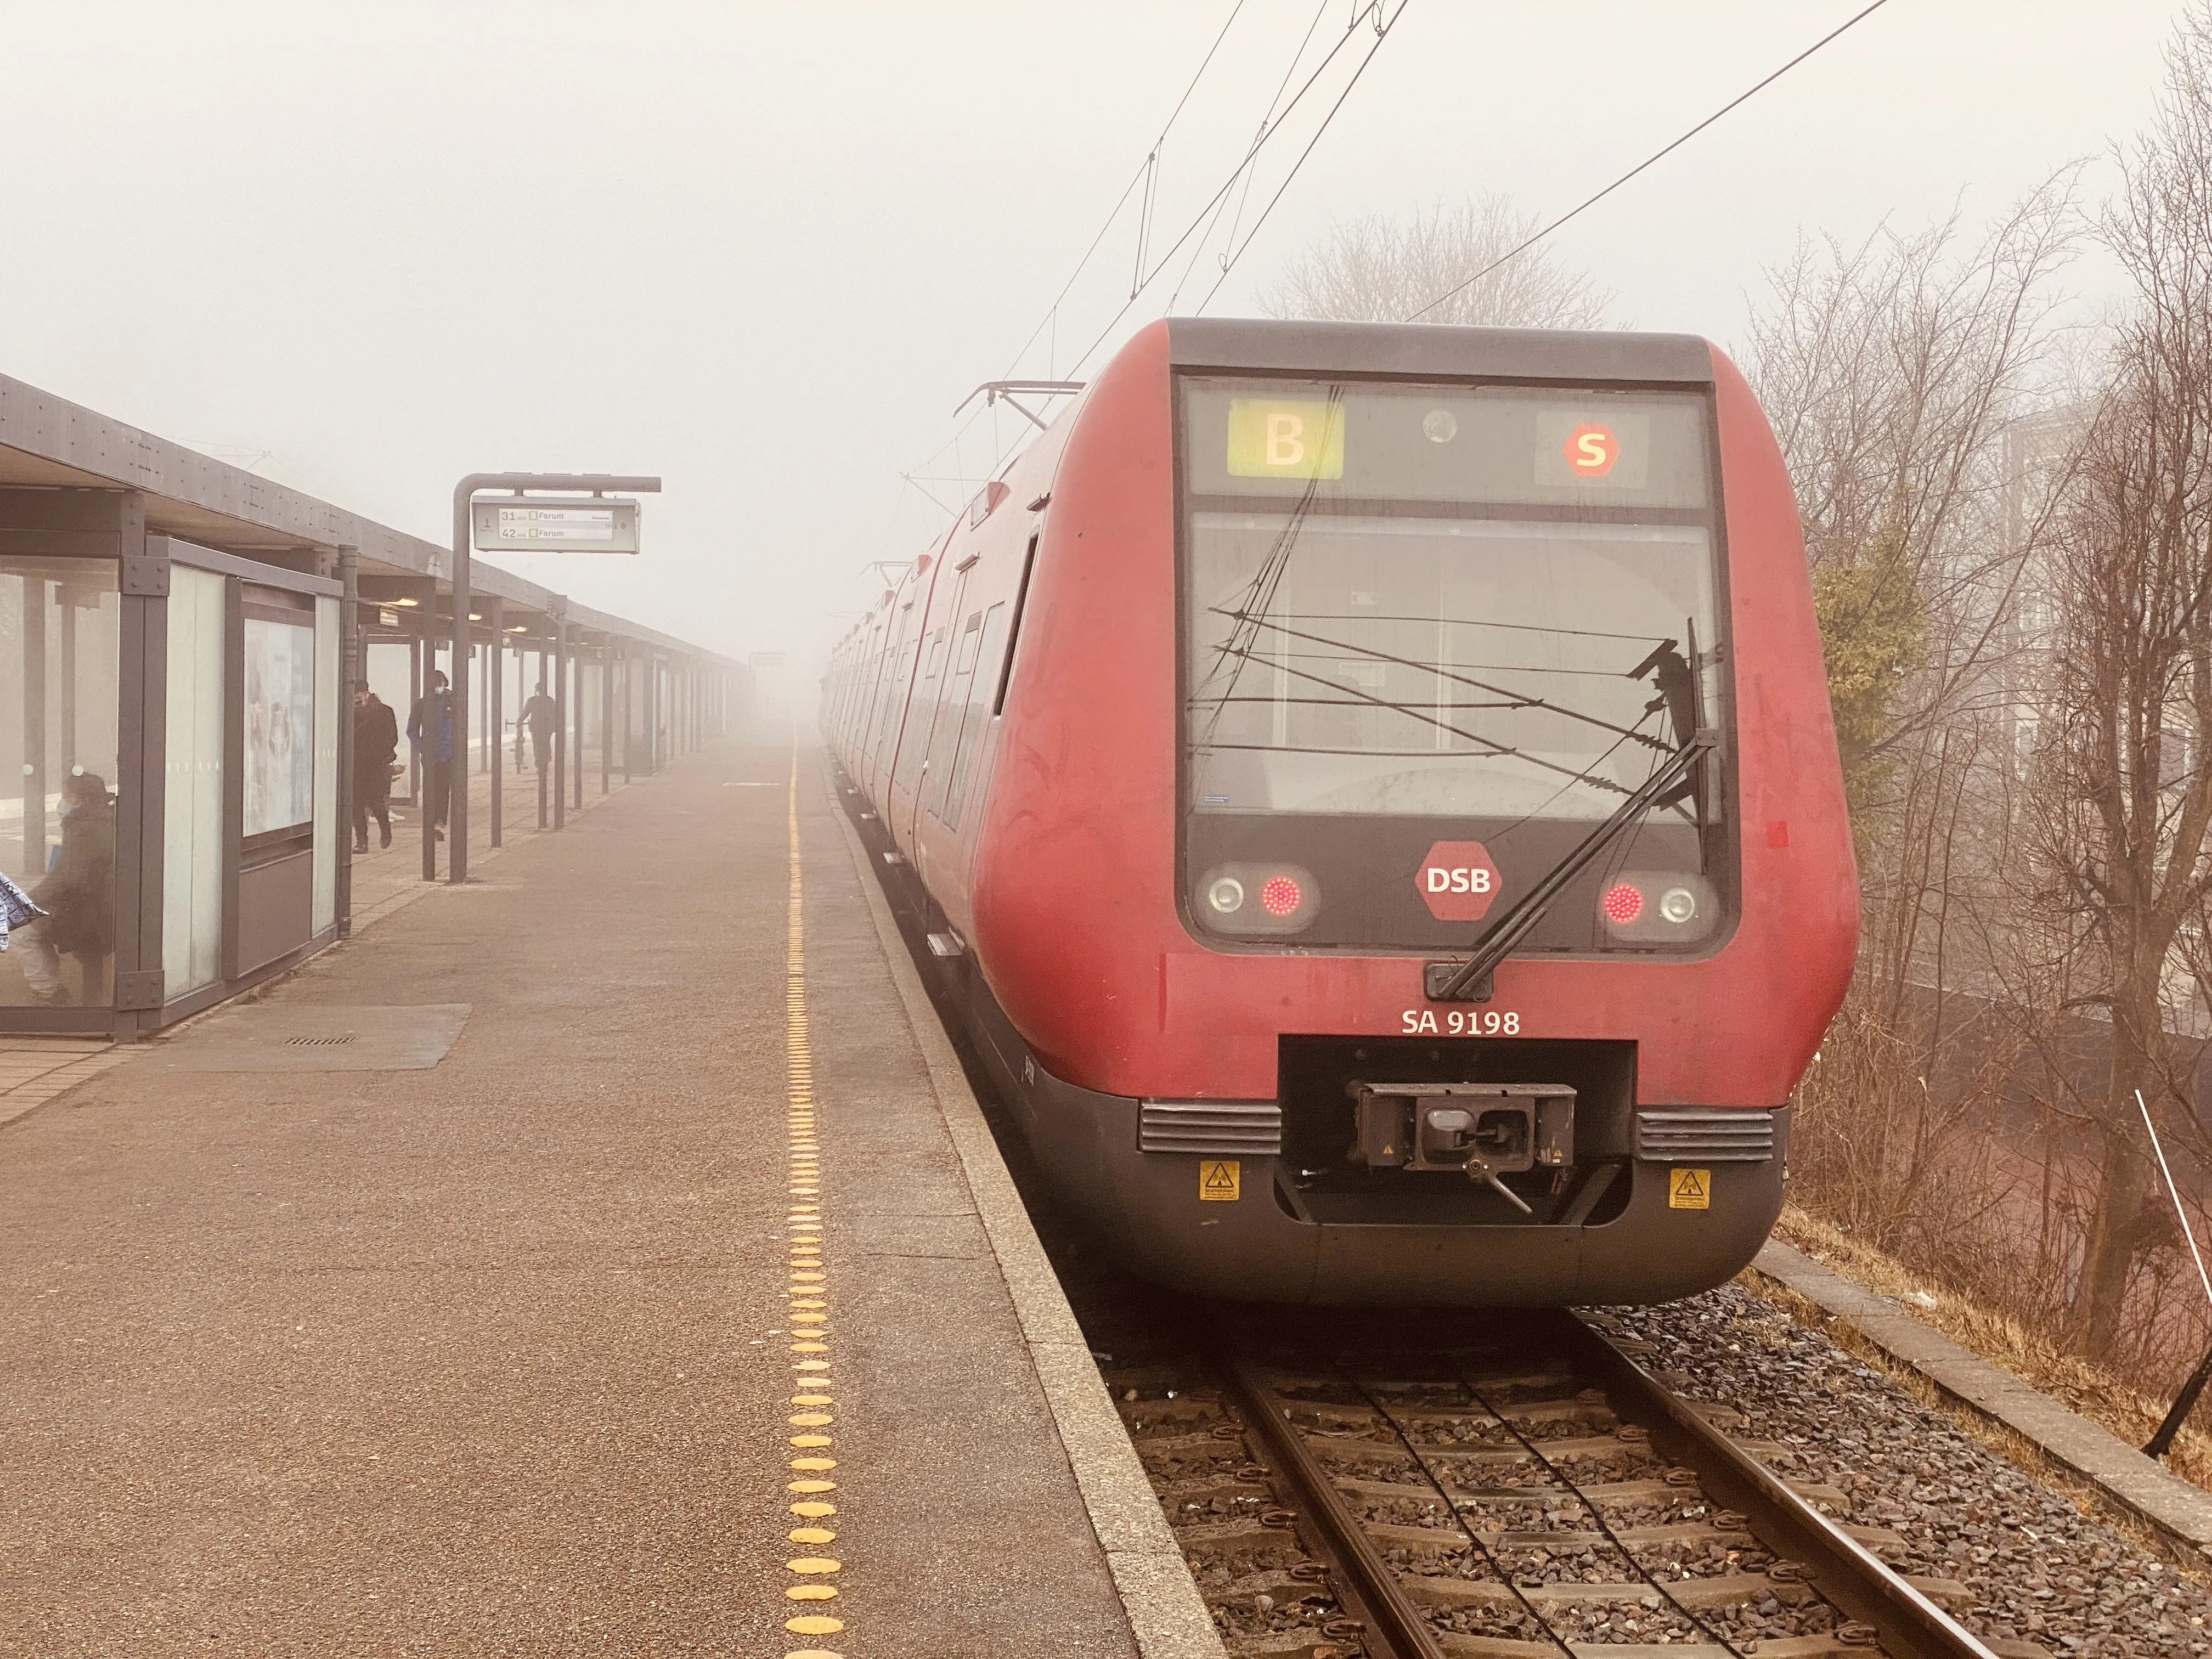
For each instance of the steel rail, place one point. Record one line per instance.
(1364, 1584)
(1860, 1584)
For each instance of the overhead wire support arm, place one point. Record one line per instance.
(1001, 391)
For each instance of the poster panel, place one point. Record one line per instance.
(280, 724)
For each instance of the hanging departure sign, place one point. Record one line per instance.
(522, 524)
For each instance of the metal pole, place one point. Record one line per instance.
(35, 726)
(350, 675)
(415, 681)
(464, 493)
(606, 717)
(560, 713)
(425, 796)
(495, 704)
(629, 707)
(576, 736)
(457, 813)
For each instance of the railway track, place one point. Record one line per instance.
(1524, 1490)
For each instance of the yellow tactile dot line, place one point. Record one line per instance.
(808, 1314)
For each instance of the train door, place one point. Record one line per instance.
(911, 769)
(934, 703)
(897, 679)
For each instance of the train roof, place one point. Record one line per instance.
(1426, 350)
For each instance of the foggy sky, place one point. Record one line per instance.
(764, 250)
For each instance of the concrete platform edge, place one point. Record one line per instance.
(1166, 1616)
(2179, 1510)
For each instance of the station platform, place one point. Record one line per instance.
(500, 1281)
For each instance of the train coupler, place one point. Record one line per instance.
(1482, 1130)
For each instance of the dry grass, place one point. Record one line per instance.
(2030, 1355)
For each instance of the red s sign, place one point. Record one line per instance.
(1591, 450)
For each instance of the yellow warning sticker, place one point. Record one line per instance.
(1689, 1190)
(1220, 1180)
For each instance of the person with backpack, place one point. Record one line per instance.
(375, 746)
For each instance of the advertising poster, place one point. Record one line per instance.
(280, 725)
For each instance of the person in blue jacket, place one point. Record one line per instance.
(437, 763)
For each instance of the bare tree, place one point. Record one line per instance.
(1373, 269)
(1895, 372)
(2129, 794)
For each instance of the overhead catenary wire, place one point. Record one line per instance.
(1382, 32)
(1245, 196)
(1144, 169)
(1202, 216)
(1208, 215)
(1650, 161)
(1146, 174)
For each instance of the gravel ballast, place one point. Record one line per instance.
(2039, 1569)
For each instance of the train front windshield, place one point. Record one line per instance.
(1420, 614)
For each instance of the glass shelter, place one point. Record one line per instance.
(168, 777)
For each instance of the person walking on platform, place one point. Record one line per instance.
(544, 715)
(430, 730)
(78, 895)
(375, 746)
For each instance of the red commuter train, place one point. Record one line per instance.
(1370, 791)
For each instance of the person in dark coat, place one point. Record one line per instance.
(375, 746)
(542, 716)
(78, 895)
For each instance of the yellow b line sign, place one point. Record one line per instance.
(1270, 438)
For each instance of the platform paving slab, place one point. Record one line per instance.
(488, 1357)
(2179, 1510)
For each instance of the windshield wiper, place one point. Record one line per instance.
(1448, 981)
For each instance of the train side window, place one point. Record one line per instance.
(974, 717)
(944, 747)
(1021, 599)
(971, 639)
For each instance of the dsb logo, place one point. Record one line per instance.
(1458, 881)
(1462, 880)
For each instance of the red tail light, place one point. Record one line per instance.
(1623, 903)
(1281, 896)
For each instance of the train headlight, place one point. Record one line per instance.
(1440, 426)
(1249, 896)
(1658, 907)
